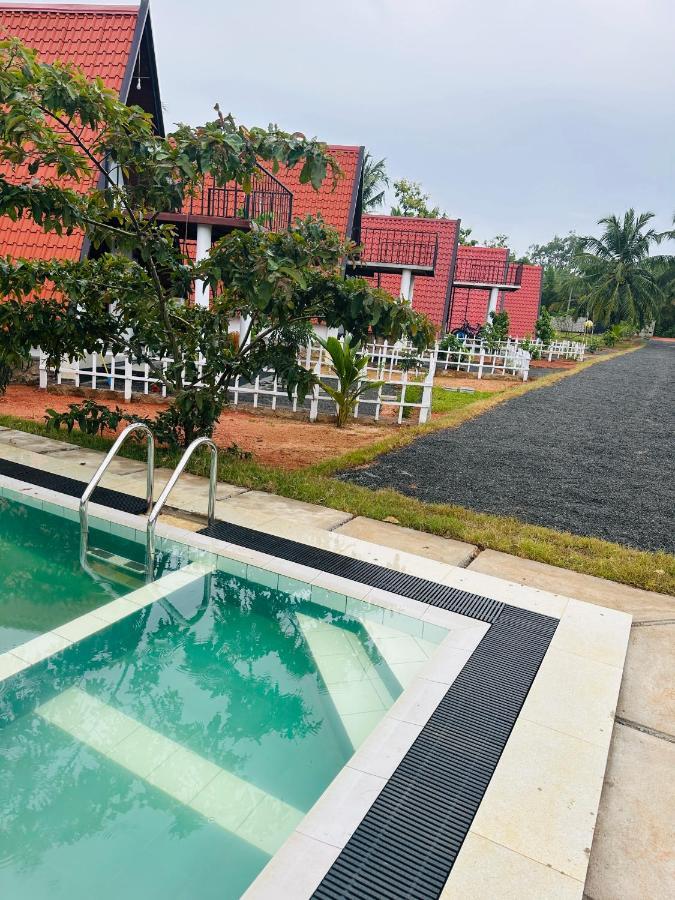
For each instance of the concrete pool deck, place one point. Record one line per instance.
(569, 711)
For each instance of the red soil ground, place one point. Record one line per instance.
(553, 364)
(278, 440)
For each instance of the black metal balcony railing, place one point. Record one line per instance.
(269, 201)
(399, 247)
(478, 271)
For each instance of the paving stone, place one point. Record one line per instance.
(295, 511)
(504, 874)
(633, 852)
(455, 553)
(642, 605)
(83, 463)
(34, 442)
(543, 798)
(648, 689)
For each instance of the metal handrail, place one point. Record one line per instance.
(161, 500)
(98, 474)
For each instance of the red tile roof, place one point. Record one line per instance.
(95, 38)
(471, 304)
(336, 206)
(430, 292)
(523, 305)
(98, 39)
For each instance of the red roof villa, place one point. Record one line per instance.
(420, 259)
(114, 42)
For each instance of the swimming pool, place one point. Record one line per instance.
(172, 752)
(42, 582)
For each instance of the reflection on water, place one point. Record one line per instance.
(42, 584)
(169, 755)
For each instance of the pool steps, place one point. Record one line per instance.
(255, 816)
(116, 568)
(360, 688)
(45, 645)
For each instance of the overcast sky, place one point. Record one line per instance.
(527, 117)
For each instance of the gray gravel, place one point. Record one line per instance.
(593, 454)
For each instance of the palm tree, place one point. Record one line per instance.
(375, 180)
(620, 272)
(665, 273)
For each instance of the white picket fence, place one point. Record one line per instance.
(398, 389)
(405, 376)
(474, 359)
(555, 350)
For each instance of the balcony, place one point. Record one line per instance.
(481, 273)
(394, 250)
(230, 207)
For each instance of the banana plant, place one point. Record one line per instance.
(349, 365)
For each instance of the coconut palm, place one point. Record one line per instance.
(375, 180)
(620, 272)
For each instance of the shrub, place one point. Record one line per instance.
(90, 417)
(543, 327)
(451, 343)
(496, 330)
(408, 361)
(5, 375)
(348, 364)
(93, 418)
(531, 347)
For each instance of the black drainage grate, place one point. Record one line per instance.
(409, 839)
(72, 487)
(364, 572)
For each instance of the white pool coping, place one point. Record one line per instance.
(542, 839)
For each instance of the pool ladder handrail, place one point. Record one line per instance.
(161, 500)
(98, 474)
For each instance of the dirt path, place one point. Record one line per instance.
(277, 440)
(593, 454)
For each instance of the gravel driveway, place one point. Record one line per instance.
(593, 454)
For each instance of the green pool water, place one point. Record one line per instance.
(171, 754)
(42, 582)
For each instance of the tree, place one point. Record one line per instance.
(620, 272)
(74, 138)
(465, 238)
(563, 288)
(499, 240)
(665, 275)
(564, 291)
(558, 253)
(412, 202)
(375, 180)
(543, 327)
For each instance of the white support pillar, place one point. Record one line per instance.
(244, 325)
(204, 238)
(407, 285)
(494, 298)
